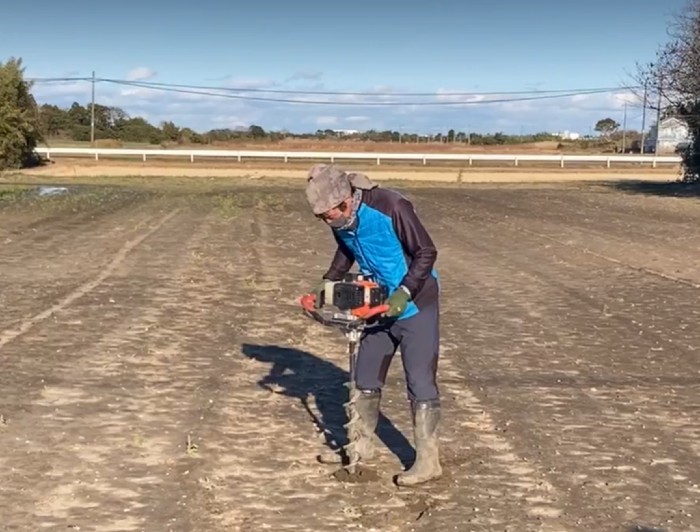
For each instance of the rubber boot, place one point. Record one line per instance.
(426, 417)
(367, 408)
(362, 432)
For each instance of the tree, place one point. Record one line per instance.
(671, 82)
(606, 126)
(170, 131)
(138, 130)
(256, 132)
(53, 120)
(20, 129)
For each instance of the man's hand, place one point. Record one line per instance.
(398, 301)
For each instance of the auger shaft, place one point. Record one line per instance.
(353, 433)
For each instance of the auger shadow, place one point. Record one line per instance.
(299, 374)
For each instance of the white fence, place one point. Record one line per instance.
(425, 158)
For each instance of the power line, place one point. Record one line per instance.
(155, 85)
(165, 88)
(370, 93)
(57, 80)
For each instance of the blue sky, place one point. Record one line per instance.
(380, 47)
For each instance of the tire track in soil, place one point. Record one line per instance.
(55, 225)
(584, 417)
(77, 250)
(655, 248)
(533, 289)
(54, 218)
(27, 324)
(489, 484)
(582, 262)
(113, 431)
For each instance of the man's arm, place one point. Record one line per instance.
(416, 242)
(341, 263)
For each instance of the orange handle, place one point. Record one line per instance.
(375, 311)
(308, 302)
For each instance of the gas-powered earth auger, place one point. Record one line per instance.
(350, 305)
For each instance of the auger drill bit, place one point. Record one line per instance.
(352, 321)
(353, 417)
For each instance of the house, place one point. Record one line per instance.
(673, 133)
(568, 135)
(345, 132)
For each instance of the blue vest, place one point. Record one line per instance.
(378, 251)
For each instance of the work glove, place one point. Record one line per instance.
(397, 301)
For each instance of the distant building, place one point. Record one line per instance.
(672, 134)
(568, 135)
(343, 132)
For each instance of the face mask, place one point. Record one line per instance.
(339, 223)
(348, 222)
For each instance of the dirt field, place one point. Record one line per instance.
(157, 375)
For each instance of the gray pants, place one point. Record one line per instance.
(419, 339)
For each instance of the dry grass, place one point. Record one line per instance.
(389, 147)
(345, 145)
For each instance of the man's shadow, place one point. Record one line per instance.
(300, 374)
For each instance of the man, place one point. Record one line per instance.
(380, 230)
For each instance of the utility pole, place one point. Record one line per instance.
(624, 129)
(92, 113)
(644, 116)
(658, 122)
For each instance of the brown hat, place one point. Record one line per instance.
(328, 186)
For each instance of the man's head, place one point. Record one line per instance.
(329, 193)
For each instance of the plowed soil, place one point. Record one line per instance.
(157, 375)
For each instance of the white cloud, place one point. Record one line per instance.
(140, 74)
(233, 121)
(357, 118)
(460, 99)
(622, 98)
(141, 92)
(326, 120)
(579, 98)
